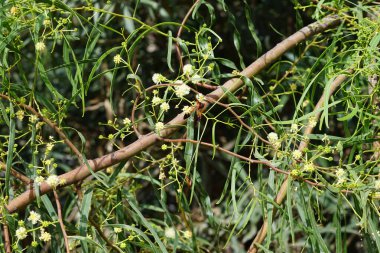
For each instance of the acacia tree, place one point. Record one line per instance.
(138, 126)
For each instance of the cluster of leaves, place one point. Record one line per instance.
(98, 75)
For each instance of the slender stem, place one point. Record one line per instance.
(179, 53)
(266, 163)
(60, 219)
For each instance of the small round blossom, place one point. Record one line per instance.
(296, 154)
(159, 126)
(165, 107)
(13, 11)
(33, 118)
(295, 173)
(164, 147)
(188, 234)
(187, 109)
(40, 46)
(312, 121)
(117, 59)
(309, 167)
(34, 217)
(162, 176)
(47, 22)
(272, 137)
(39, 180)
(117, 230)
(277, 145)
(294, 128)
(158, 78)
(45, 236)
(126, 121)
(21, 233)
(377, 184)
(340, 173)
(195, 79)
(123, 245)
(182, 90)
(20, 114)
(53, 180)
(49, 146)
(156, 100)
(170, 233)
(188, 69)
(200, 97)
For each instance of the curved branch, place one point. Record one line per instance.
(179, 53)
(147, 140)
(283, 189)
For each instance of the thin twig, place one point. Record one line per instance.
(60, 219)
(179, 53)
(283, 189)
(266, 163)
(50, 123)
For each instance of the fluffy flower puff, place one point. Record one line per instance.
(53, 180)
(21, 233)
(195, 79)
(156, 100)
(272, 137)
(159, 126)
(40, 46)
(170, 233)
(158, 78)
(34, 217)
(165, 107)
(309, 167)
(188, 69)
(296, 154)
(182, 90)
(45, 236)
(117, 59)
(187, 109)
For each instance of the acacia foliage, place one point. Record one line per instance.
(81, 79)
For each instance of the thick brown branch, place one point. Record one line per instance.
(145, 141)
(7, 239)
